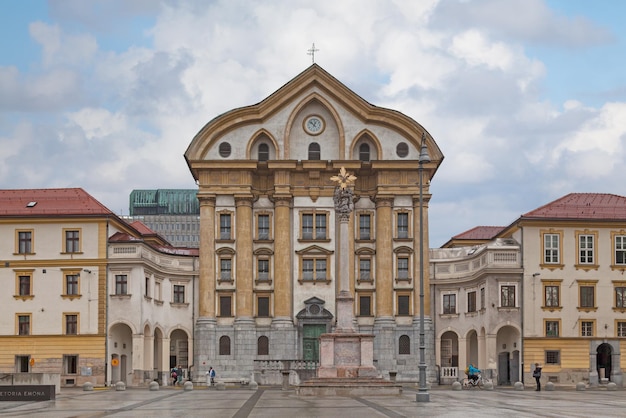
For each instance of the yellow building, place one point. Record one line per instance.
(53, 261)
(574, 290)
(268, 244)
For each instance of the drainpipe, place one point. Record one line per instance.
(106, 308)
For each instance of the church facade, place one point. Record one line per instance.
(268, 257)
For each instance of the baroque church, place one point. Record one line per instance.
(268, 259)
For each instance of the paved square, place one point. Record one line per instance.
(275, 403)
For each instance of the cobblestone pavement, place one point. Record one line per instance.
(276, 403)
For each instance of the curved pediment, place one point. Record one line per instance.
(343, 117)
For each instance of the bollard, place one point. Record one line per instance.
(119, 386)
(153, 386)
(519, 386)
(285, 379)
(88, 386)
(549, 386)
(580, 386)
(188, 385)
(456, 386)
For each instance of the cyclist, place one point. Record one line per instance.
(472, 373)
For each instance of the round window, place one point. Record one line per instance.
(402, 149)
(225, 149)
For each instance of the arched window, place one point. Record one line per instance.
(364, 152)
(263, 346)
(314, 151)
(404, 345)
(224, 345)
(264, 152)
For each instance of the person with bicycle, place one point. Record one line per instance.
(472, 373)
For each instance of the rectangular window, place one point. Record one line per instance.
(226, 269)
(587, 296)
(179, 293)
(147, 289)
(121, 284)
(307, 269)
(404, 307)
(263, 306)
(552, 296)
(320, 269)
(507, 296)
(471, 302)
(263, 227)
(621, 329)
(553, 357)
(24, 285)
(586, 328)
(551, 248)
(23, 324)
(263, 269)
(314, 226)
(365, 226)
(449, 304)
(585, 249)
(482, 298)
(403, 225)
(25, 242)
(403, 268)
(71, 284)
(225, 226)
(157, 291)
(71, 324)
(72, 241)
(70, 364)
(307, 226)
(620, 297)
(225, 306)
(365, 305)
(320, 226)
(620, 249)
(365, 268)
(552, 328)
(314, 269)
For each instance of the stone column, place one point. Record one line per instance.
(244, 264)
(283, 301)
(206, 283)
(345, 300)
(165, 362)
(384, 259)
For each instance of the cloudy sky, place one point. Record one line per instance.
(526, 98)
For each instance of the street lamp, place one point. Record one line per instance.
(422, 394)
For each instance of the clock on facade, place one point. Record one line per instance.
(314, 125)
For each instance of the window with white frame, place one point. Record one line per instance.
(586, 328)
(621, 329)
(620, 296)
(585, 249)
(620, 249)
(552, 295)
(551, 248)
(263, 226)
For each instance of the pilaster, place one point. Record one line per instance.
(244, 275)
(384, 257)
(206, 283)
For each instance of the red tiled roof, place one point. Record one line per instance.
(480, 233)
(142, 228)
(40, 202)
(597, 206)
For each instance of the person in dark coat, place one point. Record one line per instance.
(537, 376)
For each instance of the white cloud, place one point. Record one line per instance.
(460, 68)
